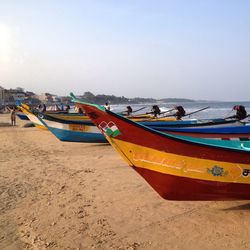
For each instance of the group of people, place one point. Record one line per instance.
(42, 108)
(127, 112)
(241, 112)
(180, 111)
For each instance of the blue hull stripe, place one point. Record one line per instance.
(76, 136)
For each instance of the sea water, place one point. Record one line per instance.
(215, 110)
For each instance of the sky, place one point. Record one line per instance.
(196, 49)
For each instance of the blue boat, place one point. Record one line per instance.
(72, 131)
(222, 132)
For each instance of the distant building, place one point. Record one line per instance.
(2, 95)
(19, 89)
(48, 98)
(11, 96)
(65, 99)
(29, 94)
(30, 98)
(17, 94)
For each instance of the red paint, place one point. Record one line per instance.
(133, 133)
(172, 187)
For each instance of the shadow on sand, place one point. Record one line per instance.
(28, 125)
(239, 207)
(101, 144)
(5, 124)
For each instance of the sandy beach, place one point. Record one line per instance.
(61, 195)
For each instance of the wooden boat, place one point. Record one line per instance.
(71, 131)
(177, 168)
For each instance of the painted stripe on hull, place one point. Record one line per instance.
(209, 135)
(75, 132)
(183, 166)
(71, 117)
(209, 130)
(180, 188)
(22, 116)
(157, 169)
(72, 127)
(75, 136)
(40, 126)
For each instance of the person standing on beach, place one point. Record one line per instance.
(13, 116)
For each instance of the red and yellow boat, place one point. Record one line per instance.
(178, 168)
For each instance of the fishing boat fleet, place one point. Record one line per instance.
(181, 159)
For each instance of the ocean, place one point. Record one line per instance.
(215, 110)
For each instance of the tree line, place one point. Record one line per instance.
(101, 99)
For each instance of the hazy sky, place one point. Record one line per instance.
(191, 49)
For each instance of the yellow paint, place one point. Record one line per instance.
(178, 165)
(70, 117)
(25, 106)
(86, 118)
(40, 126)
(30, 116)
(151, 119)
(79, 127)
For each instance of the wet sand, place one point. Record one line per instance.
(61, 195)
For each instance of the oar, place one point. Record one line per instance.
(190, 113)
(125, 111)
(170, 110)
(232, 117)
(197, 111)
(138, 109)
(153, 118)
(151, 112)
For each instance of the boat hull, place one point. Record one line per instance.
(175, 167)
(172, 187)
(74, 132)
(77, 136)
